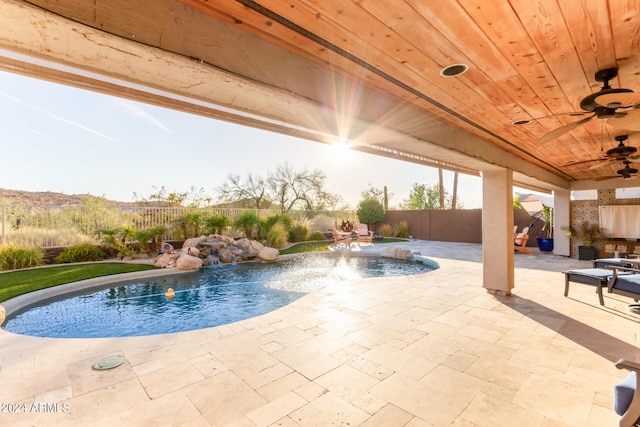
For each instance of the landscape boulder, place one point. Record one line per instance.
(193, 242)
(166, 260)
(268, 254)
(191, 250)
(249, 247)
(225, 256)
(221, 238)
(188, 262)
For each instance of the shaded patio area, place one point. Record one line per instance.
(427, 350)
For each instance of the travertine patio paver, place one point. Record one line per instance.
(428, 350)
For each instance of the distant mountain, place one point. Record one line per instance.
(41, 198)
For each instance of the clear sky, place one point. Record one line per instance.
(62, 139)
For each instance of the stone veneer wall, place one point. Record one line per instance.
(587, 210)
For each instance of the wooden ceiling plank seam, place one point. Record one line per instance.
(488, 123)
(548, 30)
(501, 24)
(511, 147)
(591, 34)
(626, 37)
(340, 32)
(329, 57)
(530, 70)
(514, 151)
(448, 17)
(403, 21)
(357, 58)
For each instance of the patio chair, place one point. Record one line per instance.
(520, 241)
(364, 235)
(626, 402)
(340, 239)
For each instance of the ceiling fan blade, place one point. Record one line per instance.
(599, 165)
(571, 114)
(617, 100)
(563, 129)
(604, 178)
(630, 121)
(582, 162)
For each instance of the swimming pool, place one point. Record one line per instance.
(208, 297)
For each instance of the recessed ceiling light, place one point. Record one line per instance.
(454, 70)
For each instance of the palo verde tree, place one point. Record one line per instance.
(424, 196)
(379, 194)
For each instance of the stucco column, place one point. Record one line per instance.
(497, 231)
(562, 219)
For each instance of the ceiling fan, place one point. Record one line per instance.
(620, 107)
(626, 172)
(619, 153)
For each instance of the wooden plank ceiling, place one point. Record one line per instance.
(527, 59)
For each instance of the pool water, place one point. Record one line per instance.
(208, 297)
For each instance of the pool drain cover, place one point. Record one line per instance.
(109, 362)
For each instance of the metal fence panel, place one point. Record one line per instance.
(67, 225)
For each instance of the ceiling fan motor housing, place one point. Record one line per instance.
(589, 103)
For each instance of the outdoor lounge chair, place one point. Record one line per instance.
(520, 241)
(364, 235)
(340, 239)
(626, 402)
(627, 285)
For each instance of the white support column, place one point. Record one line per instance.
(497, 231)
(561, 216)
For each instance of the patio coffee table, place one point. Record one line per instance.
(598, 277)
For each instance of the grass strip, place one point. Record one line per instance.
(323, 246)
(21, 282)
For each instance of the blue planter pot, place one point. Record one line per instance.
(545, 244)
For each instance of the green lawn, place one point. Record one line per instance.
(21, 282)
(324, 246)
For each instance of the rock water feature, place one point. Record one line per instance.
(215, 249)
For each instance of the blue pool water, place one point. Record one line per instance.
(209, 297)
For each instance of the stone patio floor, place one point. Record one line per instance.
(429, 350)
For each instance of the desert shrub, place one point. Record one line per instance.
(298, 233)
(277, 236)
(248, 221)
(150, 240)
(195, 220)
(117, 241)
(80, 253)
(322, 223)
(13, 257)
(180, 226)
(216, 224)
(401, 230)
(316, 235)
(385, 230)
(283, 219)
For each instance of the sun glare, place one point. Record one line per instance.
(342, 146)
